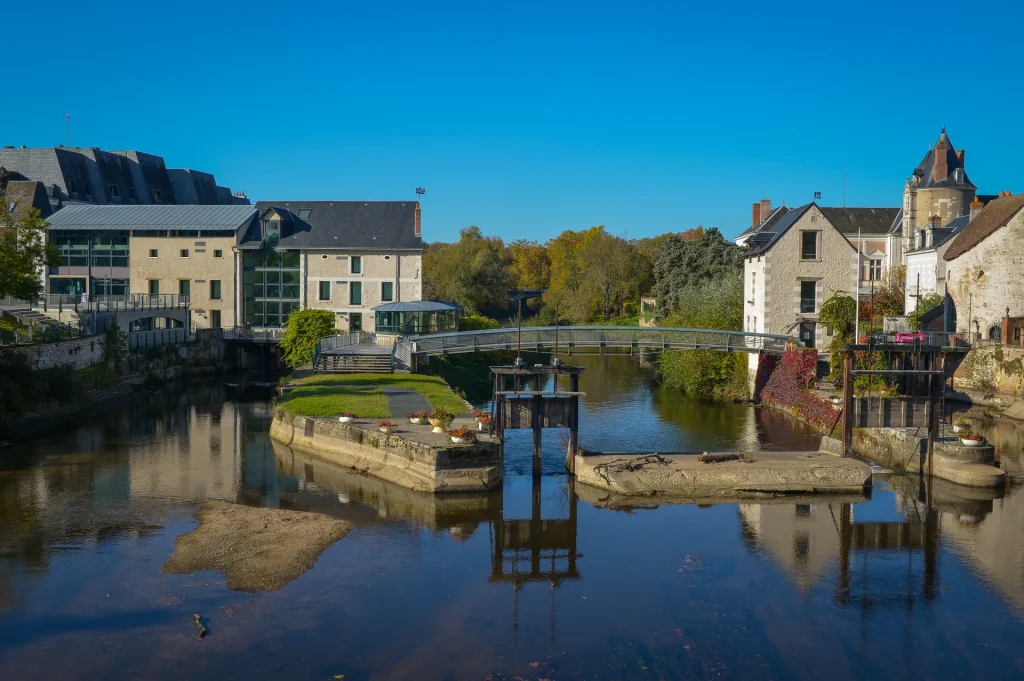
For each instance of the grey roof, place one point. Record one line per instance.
(868, 221)
(417, 306)
(897, 223)
(925, 171)
(363, 225)
(92, 217)
(25, 195)
(944, 234)
(764, 239)
(772, 218)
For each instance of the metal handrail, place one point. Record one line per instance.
(345, 340)
(664, 338)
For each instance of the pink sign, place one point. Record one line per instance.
(909, 337)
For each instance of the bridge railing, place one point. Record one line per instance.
(344, 340)
(658, 338)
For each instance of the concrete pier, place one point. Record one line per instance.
(754, 475)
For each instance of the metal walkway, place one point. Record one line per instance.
(568, 338)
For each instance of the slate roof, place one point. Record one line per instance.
(925, 171)
(766, 237)
(897, 223)
(772, 218)
(944, 234)
(152, 217)
(866, 220)
(993, 216)
(25, 195)
(364, 225)
(417, 306)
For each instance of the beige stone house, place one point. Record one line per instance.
(984, 263)
(345, 256)
(801, 256)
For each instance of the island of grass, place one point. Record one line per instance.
(326, 395)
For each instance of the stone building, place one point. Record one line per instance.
(801, 256)
(91, 175)
(343, 256)
(936, 193)
(153, 250)
(983, 269)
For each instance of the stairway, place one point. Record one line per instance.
(354, 363)
(33, 317)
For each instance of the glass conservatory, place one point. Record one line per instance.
(416, 317)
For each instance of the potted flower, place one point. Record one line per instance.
(484, 421)
(418, 418)
(479, 415)
(961, 425)
(386, 426)
(971, 439)
(347, 417)
(461, 436)
(440, 419)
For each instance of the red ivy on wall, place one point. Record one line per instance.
(787, 389)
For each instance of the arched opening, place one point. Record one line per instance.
(995, 333)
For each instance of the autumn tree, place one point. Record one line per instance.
(529, 264)
(472, 272)
(24, 251)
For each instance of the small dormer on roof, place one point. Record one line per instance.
(276, 224)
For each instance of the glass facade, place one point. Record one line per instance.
(270, 287)
(82, 249)
(408, 323)
(107, 287)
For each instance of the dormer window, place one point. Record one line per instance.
(272, 233)
(958, 175)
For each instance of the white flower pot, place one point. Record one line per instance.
(385, 430)
(437, 429)
(416, 422)
(971, 443)
(482, 426)
(346, 419)
(460, 440)
(956, 428)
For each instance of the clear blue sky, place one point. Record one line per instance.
(527, 118)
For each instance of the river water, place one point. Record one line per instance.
(535, 581)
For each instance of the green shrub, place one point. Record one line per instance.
(478, 322)
(304, 331)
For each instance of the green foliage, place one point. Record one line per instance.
(95, 377)
(115, 343)
(839, 311)
(476, 322)
(707, 374)
(891, 297)
(473, 272)
(685, 264)
(304, 331)
(24, 251)
(24, 388)
(924, 304)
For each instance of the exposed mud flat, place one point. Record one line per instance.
(257, 549)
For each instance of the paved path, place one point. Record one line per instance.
(404, 401)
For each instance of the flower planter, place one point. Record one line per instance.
(346, 419)
(956, 428)
(971, 443)
(482, 426)
(416, 422)
(385, 430)
(461, 440)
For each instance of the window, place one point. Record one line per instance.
(217, 253)
(154, 253)
(184, 287)
(114, 193)
(167, 195)
(808, 245)
(387, 291)
(214, 319)
(154, 287)
(355, 265)
(755, 325)
(183, 253)
(215, 290)
(875, 270)
(808, 291)
(355, 321)
(304, 213)
(325, 290)
(995, 333)
(753, 286)
(10, 207)
(131, 193)
(156, 196)
(807, 334)
(355, 293)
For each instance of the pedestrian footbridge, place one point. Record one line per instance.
(351, 352)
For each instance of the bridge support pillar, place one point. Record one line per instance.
(537, 431)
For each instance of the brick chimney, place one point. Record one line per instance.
(416, 226)
(755, 219)
(976, 207)
(766, 209)
(941, 171)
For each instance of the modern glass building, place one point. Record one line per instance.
(416, 317)
(270, 286)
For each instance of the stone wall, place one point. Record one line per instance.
(992, 371)
(403, 461)
(79, 353)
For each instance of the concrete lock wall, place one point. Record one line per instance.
(416, 465)
(79, 353)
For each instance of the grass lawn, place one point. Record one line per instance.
(323, 395)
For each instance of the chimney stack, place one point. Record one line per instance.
(416, 225)
(756, 217)
(766, 209)
(941, 171)
(976, 207)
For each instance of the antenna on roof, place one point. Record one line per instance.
(67, 117)
(420, 191)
